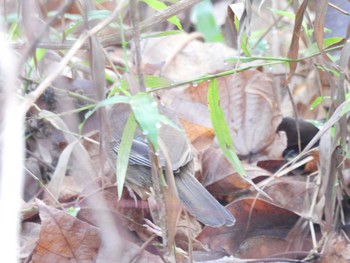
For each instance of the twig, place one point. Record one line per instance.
(134, 16)
(44, 31)
(116, 39)
(142, 248)
(339, 9)
(34, 95)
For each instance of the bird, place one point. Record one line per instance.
(193, 195)
(307, 132)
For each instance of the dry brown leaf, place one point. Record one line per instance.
(56, 182)
(261, 247)
(294, 46)
(252, 113)
(295, 195)
(319, 27)
(221, 179)
(128, 216)
(337, 249)
(64, 238)
(250, 108)
(200, 137)
(131, 253)
(126, 212)
(28, 238)
(263, 219)
(182, 57)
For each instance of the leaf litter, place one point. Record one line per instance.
(302, 216)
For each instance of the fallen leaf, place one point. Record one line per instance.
(183, 56)
(254, 218)
(251, 111)
(64, 238)
(28, 239)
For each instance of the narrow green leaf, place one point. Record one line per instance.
(40, 53)
(346, 108)
(161, 34)
(73, 211)
(327, 42)
(147, 115)
(290, 15)
(155, 4)
(73, 26)
(220, 127)
(103, 103)
(333, 71)
(170, 123)
(175, 21)
(124, 152)
(245, 45)
(153, 82)
(98, 14)
(159, 6)
(316, 102)
(205, 22)
(106, 102)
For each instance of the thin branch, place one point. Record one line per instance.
(115, 38)
(34, 44)
(134, 16)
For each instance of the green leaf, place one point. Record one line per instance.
(175, 21)
(73, 26)
(318, 101)
(244, 41)
(153, 82)
(73, 211)
(220, 127)
(124, 152)
(161, 34)
(103, 103)
(108, 101)
(245, 46)
(313, 48)
(290, 15)
(159, 6)
(147, 115)
(205, 22)
(333, 71)
(14, 32)
(40, 53)
(346, 108)
(121, 86)
(170, 123)
(155, 4)
(98, 14)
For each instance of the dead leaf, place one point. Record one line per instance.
(319, 27)
(337, 249)
(184, 57)
(221, 179)
(64, 238)
(131, 253)
(28, 239)
(250, 108)
(261, 247)
(124, 214)
(251, 111)
(56, 182)
(254, 218)
(200, 137)
(296, 195)
(294, 46)
(216, 167)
